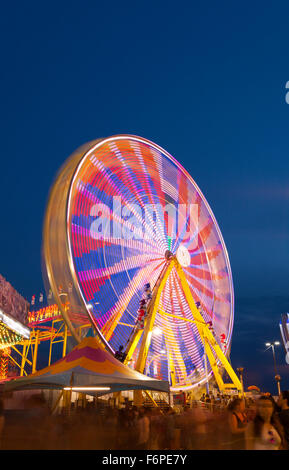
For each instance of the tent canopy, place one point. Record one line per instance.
(87, 365)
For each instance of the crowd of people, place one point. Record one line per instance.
(212, 423)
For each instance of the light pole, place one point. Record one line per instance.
(277, 376)
(240, 370)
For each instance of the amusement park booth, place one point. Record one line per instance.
(13, 322)
(88, 369)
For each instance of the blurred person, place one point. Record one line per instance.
(275, 405)
(169, 429)
(203, 397)
(251, 410)
(110, 428)
(218, 400)
(283, 403)
(143, 427)
(186, 425)
(122, 435)
(37, 422)
(238, 422)
(112, 424)
(120, 354)
(207, 398)
(200, 417)
(227, 400)
(131, 418)
(213, 403)
(60, 432)
(264, 432)
(2, 422)
(156, 429)
(218, 434)
(135, 410)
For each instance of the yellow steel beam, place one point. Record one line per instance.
(204, 330)
(214, 365)
(229, 386)
(23, 360)
(50, 345)
(137, 397)
(21, 355)
(35, 352)
(15, 362)
(171, 363)
(149, 395)
(59, 341)
(64, 341)
(173, 352)
(57, 402)
(178, 317)
(112, 323)
(132, 345)
(150, 319)
(136, 334)
(26, 346)
(36, 337)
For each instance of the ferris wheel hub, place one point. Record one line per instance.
(168, 254)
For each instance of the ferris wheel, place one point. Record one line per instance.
(133, 250)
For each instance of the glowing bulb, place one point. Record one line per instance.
(86, 389)
(157, 331)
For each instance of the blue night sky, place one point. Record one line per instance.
(204, 80)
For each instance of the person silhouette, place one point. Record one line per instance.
(119, 354)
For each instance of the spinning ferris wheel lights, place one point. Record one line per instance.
(117, 218)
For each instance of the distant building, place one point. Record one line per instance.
(13, 315)
(284, 329)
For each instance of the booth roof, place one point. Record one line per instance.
(88, 364)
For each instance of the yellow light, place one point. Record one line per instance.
(85, 389)
(14, 325)
(157, 331)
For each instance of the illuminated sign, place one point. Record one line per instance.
(14, 325)
(11, 302)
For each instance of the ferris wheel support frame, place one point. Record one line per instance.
(211, 345)
(149, 324)
(136, 335)
(212, 349)
(109, 327)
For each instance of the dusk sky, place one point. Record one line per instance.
(204, 80)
